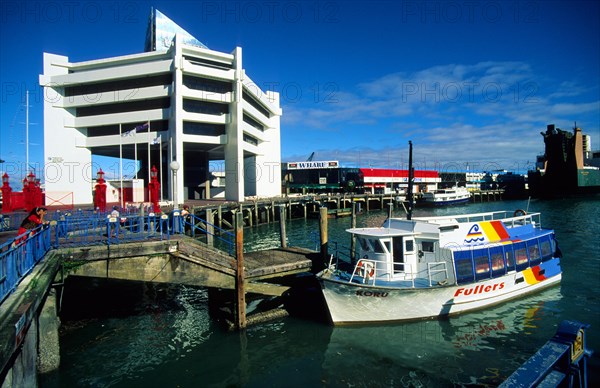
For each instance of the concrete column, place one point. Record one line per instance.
(23, 372)
(48, 344)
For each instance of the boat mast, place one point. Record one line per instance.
(411, 178)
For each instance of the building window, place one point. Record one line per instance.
(203, 129)
(210, 108)
(113, 86)
(250, 139)
(257, 105)
(253, 123)
(206, 85)
(208, 63)
(130, 106)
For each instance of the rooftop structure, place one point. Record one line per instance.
(178, 101)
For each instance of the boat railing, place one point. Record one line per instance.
(509, 218)
(432, 270)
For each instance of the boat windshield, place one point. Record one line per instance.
(370, 244)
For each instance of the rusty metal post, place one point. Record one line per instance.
(282, 234)
(323, 232)
(240, 315)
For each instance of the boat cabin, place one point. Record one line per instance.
(451, 249)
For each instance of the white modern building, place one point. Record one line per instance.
(190, 104)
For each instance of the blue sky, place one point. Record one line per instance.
(469, 82)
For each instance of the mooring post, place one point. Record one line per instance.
(353, 225)
(256, 213)
(240, 315)
(282, 233)
(323, 231)
(220, 216)
(210, 229)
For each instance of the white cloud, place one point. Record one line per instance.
(487, 113)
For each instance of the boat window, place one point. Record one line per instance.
(398, 254)
(510, 258)
(376, 244)
(482, 262)
(363, 244)
(521, 255)
(409, 245)
(534, 252)
(388, 245)
(427, 246)
(546, 247)
(497, 258)
(464, 267)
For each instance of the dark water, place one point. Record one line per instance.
(156, 336)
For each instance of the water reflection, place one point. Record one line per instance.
(438, 352)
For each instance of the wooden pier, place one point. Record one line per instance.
(487, 195)
(266, 210)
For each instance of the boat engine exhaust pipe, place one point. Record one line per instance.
(411, 178)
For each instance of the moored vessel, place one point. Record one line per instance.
(443, 197)
(428, 267)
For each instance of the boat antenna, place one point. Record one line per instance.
(409, 192)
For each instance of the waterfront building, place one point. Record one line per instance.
(566, 169)
(328, 176)
(177, 101)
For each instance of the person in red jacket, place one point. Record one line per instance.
(34, 219)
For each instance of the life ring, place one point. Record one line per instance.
(365, 269)
(519, 213)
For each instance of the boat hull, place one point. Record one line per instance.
(360, 303)
(428, 202)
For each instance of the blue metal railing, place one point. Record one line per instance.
(561, 362)
(20, 255)
(195, 226)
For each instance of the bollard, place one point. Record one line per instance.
(323, 232)
(240, 315)
(282, 234)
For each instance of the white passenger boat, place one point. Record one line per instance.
(426, 267)
(442, 197)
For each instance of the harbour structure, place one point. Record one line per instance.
(564, 168)
(178, 101)
(144, 248)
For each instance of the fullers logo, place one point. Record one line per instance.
(480, 289)
(372, 293)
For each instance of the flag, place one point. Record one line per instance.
(156, 140)
(128, 133)
(142, 127)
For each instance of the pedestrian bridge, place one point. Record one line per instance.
(149, 248)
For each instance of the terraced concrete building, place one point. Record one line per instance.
(177, 101)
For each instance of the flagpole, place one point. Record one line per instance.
(148, 138)
(135, 152)
(160, 164)
(121, 163)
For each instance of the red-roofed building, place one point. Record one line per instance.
(380, 180)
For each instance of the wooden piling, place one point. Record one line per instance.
(210, 229)
(282, 234)
(220, 216)
(240, 316)
(323, 232)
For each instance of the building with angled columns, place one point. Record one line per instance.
(189, 103)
